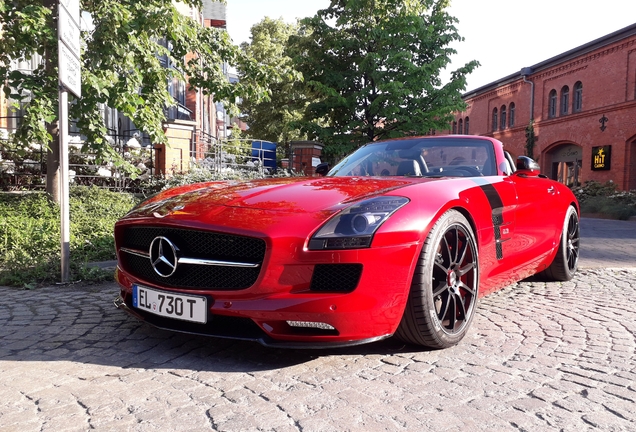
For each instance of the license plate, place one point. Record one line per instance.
(170, 305)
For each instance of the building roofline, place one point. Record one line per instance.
(546, 64)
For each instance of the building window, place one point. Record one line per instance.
(495, 114)
(552, 103)
(565, 99)
(466, 128)
(15, 114)
(578, 97)
(177, 89)
(502, 123)
(454, 127)
(511, 115)
(461, 126)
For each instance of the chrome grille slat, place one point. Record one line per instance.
(135, 252)
(204, 262)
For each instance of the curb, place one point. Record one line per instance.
(104, 265)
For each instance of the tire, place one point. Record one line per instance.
(444, 291)
(566, 261)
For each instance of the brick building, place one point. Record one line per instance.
(583, 103)
(196, 121)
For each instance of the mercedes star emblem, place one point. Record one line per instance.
(163, 256)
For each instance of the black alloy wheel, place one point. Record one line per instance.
(445, 287)
(566, 261)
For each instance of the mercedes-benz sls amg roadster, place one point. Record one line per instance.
(399, 239)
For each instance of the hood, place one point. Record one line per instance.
(285, 195)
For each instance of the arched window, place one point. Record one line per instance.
(552, 103)
(466, 128)
(494, 119)
(502, 123)
(460, 127)
(511, 115)
(578, 97)
(454, 127)
(565, 100)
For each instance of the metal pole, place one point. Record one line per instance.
(64, 188)
(69, 72)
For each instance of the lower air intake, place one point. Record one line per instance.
(337, 278)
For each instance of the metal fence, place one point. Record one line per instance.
(247, 154)
(26, 168)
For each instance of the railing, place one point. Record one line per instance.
(178, 112)
(27, 168)
(248, 154)
(21, 169)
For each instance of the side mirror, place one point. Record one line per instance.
(322, 169)
(527, 166)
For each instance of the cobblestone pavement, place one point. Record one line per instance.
(539, 356)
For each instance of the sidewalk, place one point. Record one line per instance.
(607, 243)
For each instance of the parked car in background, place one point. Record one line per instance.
(399, 239)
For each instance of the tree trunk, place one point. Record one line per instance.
(53, 152)
(53, 164)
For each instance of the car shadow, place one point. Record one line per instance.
(97, 333)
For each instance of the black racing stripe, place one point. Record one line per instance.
(496, 206)
(493, 196)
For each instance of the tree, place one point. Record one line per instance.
(121, 67)
(374, 68)
(275, 119)
(530, 139)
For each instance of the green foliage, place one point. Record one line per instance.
(30, 234)
(604, 199)
(373, 68)
(591, 190)
(122, 66)
(530, 139)
(275, 119)
(30, 228)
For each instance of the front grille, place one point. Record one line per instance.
(339, 278)
(199, 245)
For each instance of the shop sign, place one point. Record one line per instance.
(601, 158)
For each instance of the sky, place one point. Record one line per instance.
(503, 35)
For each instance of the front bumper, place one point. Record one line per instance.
(263, 312)
(238, 329)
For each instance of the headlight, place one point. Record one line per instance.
(354, 227)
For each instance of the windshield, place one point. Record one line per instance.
(421, 157)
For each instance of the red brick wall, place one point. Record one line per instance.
(303, 154)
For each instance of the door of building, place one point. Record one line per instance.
(566, 164)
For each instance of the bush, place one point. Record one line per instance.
(30, 227)
(604, 199)
(30, 234)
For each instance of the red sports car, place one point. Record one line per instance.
(399, 239)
